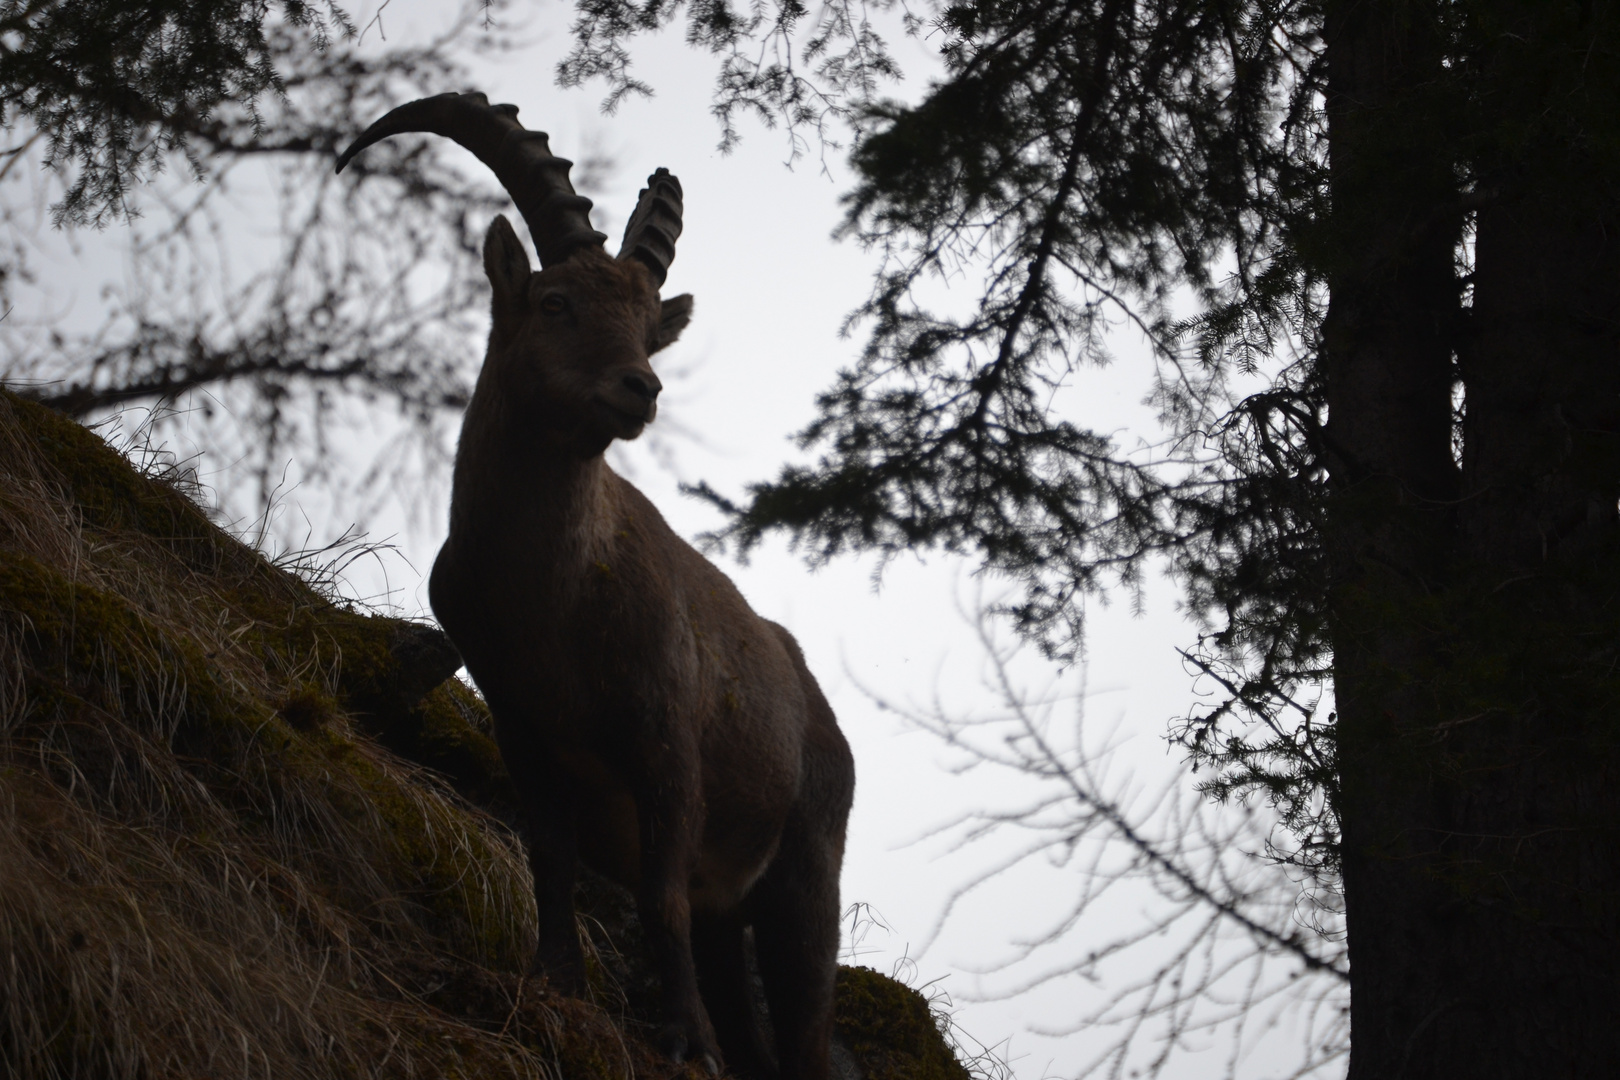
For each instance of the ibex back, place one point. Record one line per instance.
(653, 724)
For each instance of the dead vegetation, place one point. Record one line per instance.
(248, 832)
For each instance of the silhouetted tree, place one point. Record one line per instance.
(1373, 244)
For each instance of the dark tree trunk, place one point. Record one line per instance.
(1476, 609)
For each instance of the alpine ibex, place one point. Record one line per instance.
(653, 725)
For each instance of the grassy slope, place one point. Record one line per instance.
(220, 851)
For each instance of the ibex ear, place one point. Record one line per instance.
(676, 313)
(505, 262)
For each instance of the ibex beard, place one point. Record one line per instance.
(654, 726)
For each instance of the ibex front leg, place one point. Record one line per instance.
(553, 840)
(669, 806)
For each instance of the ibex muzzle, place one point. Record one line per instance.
(653, 724)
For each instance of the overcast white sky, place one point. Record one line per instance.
(772, 290)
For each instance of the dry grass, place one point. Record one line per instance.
(221, 854)
(205, 870)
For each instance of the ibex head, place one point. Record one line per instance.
(570, 343)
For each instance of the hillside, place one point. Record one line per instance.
(246, 830)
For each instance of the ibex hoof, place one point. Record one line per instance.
(560, 977)
(680, 1048)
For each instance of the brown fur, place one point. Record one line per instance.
(653, 724)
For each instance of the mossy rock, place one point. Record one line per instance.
(450, 731)
(891, 1031)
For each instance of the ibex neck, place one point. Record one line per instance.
(515, 490)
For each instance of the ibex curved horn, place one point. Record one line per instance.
(650, 236)
(537, 180)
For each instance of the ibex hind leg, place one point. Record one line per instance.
(720, 952)
(796, 939)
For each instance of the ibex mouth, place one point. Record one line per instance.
(627, 423)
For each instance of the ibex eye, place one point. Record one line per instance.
(554, 304)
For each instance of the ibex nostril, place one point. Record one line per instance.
(643, 386)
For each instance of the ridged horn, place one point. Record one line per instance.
(537, 180)
(654, 227)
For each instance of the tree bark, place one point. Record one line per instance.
(1475, 604)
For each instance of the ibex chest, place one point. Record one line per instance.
(584, 650)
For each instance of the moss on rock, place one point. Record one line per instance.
(110, 494)
(891, 1030)
(87, 643)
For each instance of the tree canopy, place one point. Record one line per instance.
(116, 88)
(1162, 164)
